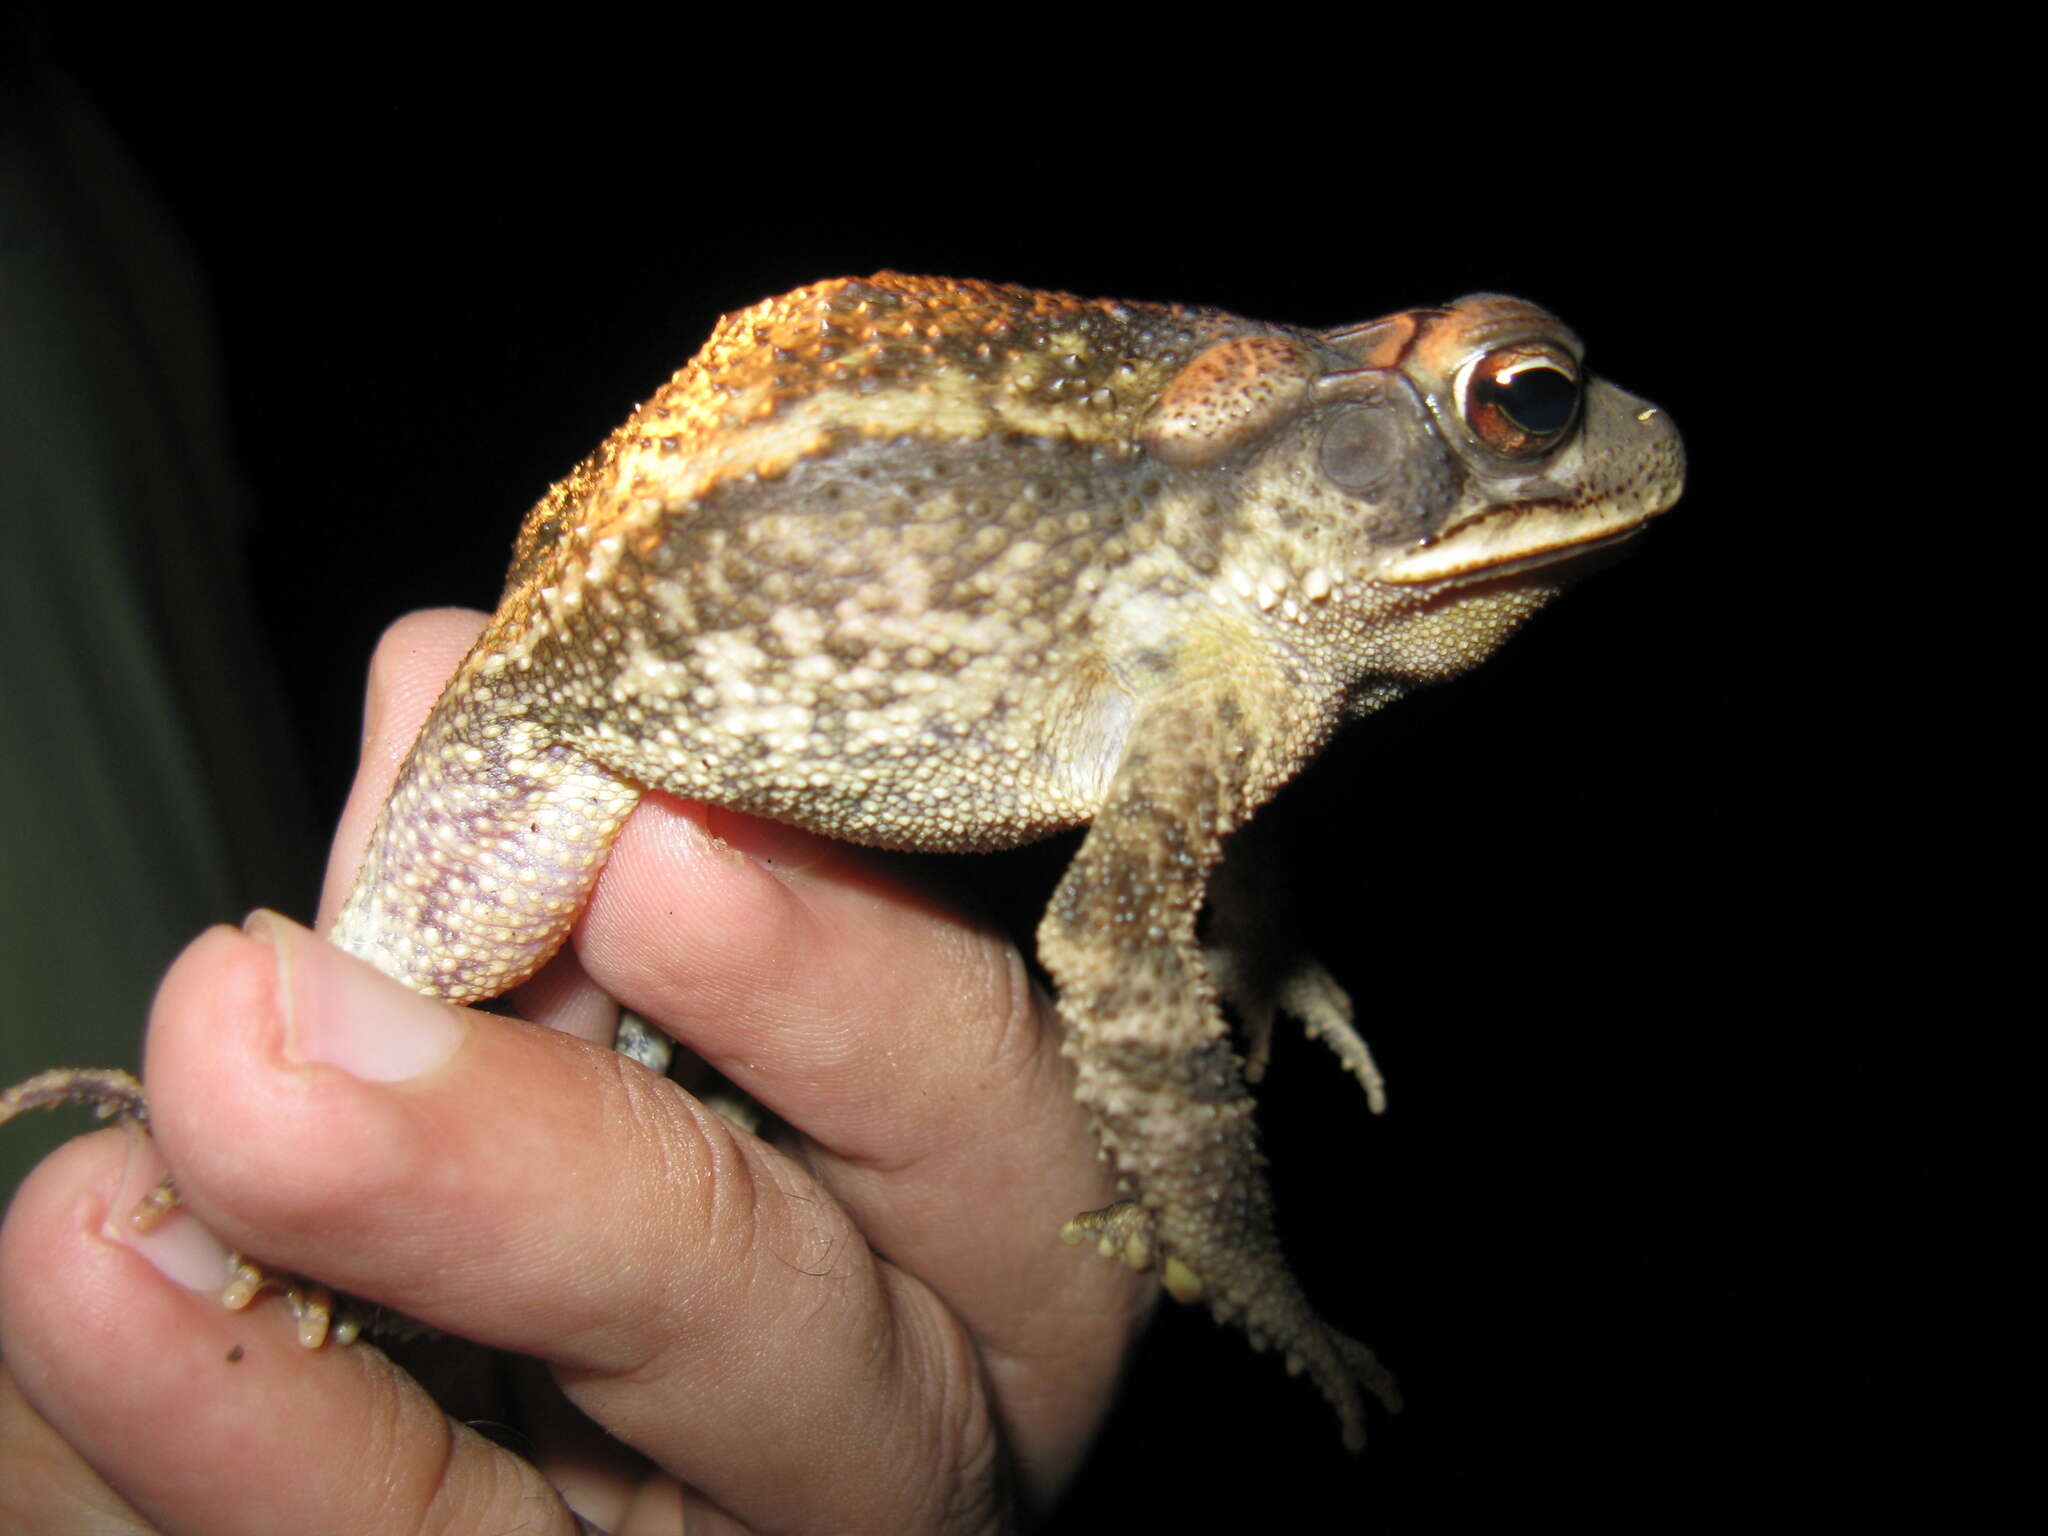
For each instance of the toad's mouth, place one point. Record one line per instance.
(1478, 552)
(1577, 558)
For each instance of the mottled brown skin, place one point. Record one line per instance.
(950, 566)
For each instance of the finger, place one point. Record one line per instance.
(210, 1421)
(906, 1045)
(48, 1486)
(512, 1184)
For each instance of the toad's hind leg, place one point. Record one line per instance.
(490, 842)
(110, 1092)
(1154, 1060)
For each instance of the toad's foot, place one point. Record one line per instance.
(1311, 994)
(1125, 1230)
(1338, 1364)
(107, 1090)
(1305, 991)
(320, 1315)
(110, 1092)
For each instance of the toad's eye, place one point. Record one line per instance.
(1520, 401)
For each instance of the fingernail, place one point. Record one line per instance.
(176, 1245)
(341, 1012)
(782, 848)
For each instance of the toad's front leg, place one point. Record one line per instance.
(1154, 1057)
(1261, 971)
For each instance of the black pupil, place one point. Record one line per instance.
(1538, 400)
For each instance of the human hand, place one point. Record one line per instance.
(867, 1326)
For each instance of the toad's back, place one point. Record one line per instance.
(845, 567)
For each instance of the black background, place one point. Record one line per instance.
(1676, 927)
